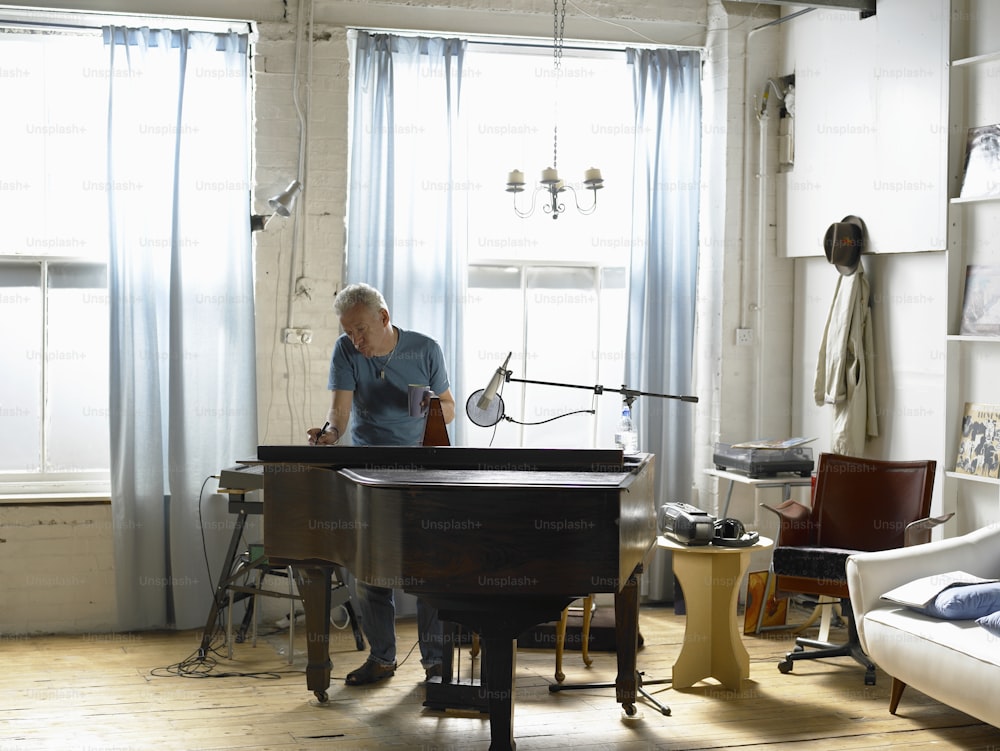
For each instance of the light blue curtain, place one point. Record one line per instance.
(406, 197)
(183, 391)
(660, 342)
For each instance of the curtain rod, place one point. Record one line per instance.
(90, 21)
(580, 46)
(531, 42)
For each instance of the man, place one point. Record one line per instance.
(372, 366)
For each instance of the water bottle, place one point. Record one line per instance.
(625, 437)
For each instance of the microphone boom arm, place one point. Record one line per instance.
(629, 394)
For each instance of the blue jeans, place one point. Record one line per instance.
(377, 608)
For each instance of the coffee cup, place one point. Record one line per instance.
(419, 396)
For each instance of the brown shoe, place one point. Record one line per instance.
(370, 672)
(434, 671)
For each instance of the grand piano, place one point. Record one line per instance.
(497, 539)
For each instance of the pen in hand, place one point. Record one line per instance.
(314, 439)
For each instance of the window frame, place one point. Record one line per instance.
(43, 484)
(607, 410)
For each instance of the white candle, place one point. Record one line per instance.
(515, 177)
(593, 175)
(550, 175)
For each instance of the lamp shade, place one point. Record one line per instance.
(283, 202)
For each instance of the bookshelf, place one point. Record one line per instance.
(972, 361)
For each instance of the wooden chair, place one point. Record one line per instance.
(858, 505)
(588, 612)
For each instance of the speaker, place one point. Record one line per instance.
(685, 524)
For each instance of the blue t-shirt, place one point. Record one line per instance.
(380, 414)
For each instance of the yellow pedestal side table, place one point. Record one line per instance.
(710, 576)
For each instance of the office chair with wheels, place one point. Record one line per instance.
(858, 505)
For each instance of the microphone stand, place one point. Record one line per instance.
(630, 396)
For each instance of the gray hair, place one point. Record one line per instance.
(359, 294)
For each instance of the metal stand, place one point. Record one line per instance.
(664, 710)
(626, 647)
(228, 592)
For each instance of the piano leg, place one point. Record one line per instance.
(627, 644)
(314, 586)
(498, 632)
(499, 658)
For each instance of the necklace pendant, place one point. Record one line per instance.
(381, 374)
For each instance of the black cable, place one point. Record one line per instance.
(201, 526)
(195, 666)
(542, 422)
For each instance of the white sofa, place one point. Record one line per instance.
(955, 662)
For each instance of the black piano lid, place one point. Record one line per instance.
(448, 457)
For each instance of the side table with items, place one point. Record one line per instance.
(710, 576)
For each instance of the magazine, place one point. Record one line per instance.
(981, 303)
(979, 444)
(981, 178)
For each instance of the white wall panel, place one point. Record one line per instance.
(870, 135)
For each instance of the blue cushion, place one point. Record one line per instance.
(965, 602)
(991, 623)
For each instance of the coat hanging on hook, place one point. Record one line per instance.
(844, 243)
(845, 371)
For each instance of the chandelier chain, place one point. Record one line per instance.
(558, 33)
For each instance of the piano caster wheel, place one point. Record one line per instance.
(560, 677)
(630, 709)
(785, 666)
(322, 696)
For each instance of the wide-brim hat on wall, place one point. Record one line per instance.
(844, 243)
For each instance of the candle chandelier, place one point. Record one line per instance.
(550, 181)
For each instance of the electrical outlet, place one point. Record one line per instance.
(744, 337)
(296, 335)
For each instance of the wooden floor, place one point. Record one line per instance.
(124, 692)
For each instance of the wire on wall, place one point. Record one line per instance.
(298, 394)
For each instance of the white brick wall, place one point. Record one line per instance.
(292, 393)
(57, 571)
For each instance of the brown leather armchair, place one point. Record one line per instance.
(858, 505)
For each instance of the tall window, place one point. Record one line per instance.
(551, 291)
(53, 254)
(54, 250)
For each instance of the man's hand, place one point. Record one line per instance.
(323, 436)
